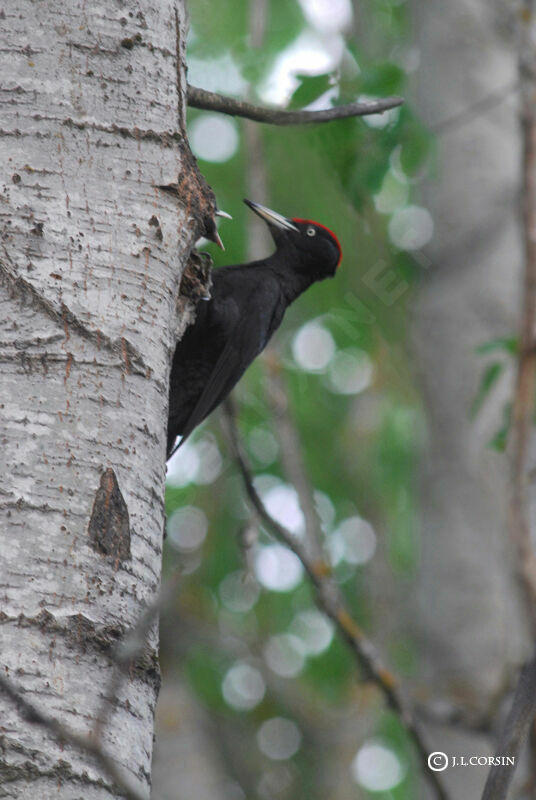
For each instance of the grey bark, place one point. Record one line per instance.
(91, 255)
(469, 615)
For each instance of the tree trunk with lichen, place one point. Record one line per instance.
(91, 258)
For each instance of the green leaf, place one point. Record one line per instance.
(383, 79)
(254, 64)
(331, 674)
(500, 439)
(204, 675)
(218, 26)
(416, 143)
(285, 23)
(310, 88)
(487, 382)
(508, 344)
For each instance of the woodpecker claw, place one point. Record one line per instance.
(224, 214)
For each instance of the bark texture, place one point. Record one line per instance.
(91, 256)
(469, 614)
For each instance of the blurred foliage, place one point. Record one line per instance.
(360, 443)
(506, 349)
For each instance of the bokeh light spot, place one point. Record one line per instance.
(411, 228)
(309, 54)
(284, 654)
(187, 528)
(183, 466)
(350, 372)
(313, 347)
(243, 686)
(314, 631)
(238, 592)
(327, 16)
(214, 138)
(216, 74)
(377, 768)
(393, 194)
(324, 508)
(354, 541)
(263, 445)
(381, 120)
(277, 568)
(279, 738)
(283, 505)
(210, 461)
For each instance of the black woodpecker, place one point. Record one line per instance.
(247, 305)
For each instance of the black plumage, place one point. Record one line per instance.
(247, 305)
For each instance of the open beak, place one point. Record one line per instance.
(212, 232)
(271, 217)
(217, 240)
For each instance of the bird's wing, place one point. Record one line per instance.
(238, 353)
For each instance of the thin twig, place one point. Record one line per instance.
(291, 457)
(475, 110)
(211, 101)
(129, 649)
(85, 744)
(329, 601)
(467, 720)
(514, 734)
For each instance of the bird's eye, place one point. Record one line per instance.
(311, 232)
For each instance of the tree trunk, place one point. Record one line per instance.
(474, 636)
(91, 257)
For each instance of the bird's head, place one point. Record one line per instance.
(311, 246)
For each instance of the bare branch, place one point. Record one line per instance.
(329, 601)
(85, 744)
(443, 711)
(129, 649)
(515, 733)
(211, 101)
(291, 457)
(477, 109)
(524, 395)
